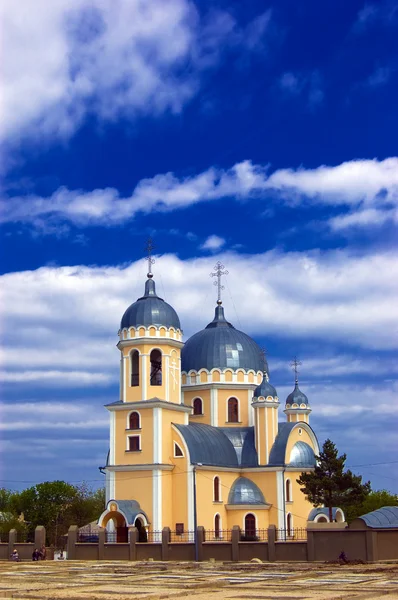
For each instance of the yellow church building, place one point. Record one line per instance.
(195, 437)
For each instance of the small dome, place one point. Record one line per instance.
(302, 455)
(244, 491)
(297, 397)
(265, 389)
(221, 346)
(150, 310)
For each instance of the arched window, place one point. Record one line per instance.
(134, 421)
(156, 367)
(197, 407)
(289, 524)
(288, 490)
(135, 368)
(216, 489)
(233, 410)
(217, 527)
(250, 526)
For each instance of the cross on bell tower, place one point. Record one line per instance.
(295, 364)
(219, 271)
(149, 248)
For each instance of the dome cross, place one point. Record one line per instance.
(218, 273)
(149, 248)
(295, 364)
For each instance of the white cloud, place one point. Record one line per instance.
(66, 334)
(364, 218)
(69, 58)
(358, 184)
(213, 242)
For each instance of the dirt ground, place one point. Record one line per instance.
(74, 580)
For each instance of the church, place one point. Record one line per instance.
(195, 437)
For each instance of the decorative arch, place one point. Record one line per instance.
(233, 410)
(156, 361)
(178, 452)
(197, 406)
(134, 420)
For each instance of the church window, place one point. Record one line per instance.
(288, 490)
(135, 368)
(156, 367)
(216, 489)
(177, 450)
(134, 421)
(289, 524)
(233, 410)
(134, 443)
(250, 527)
(197, 406)
(217, 528)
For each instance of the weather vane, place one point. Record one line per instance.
(295, 364)
(218, 273)
(149, 248)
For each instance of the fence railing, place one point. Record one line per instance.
(4, 537)
(255, 535)
(186, 536)
(218, 535)
(291, 535)
(23, 537)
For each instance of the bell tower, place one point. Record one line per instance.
(265, 405)
(297, 407)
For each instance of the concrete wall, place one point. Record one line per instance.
(321, 545)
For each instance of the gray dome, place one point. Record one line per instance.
(221, 346)
(297, 396)
(302, 455)
(244, 491)
(150, 310)
(265, 389)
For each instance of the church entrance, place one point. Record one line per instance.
(142, 533)
(250, 527)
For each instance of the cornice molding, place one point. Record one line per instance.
(149, 404)
(144, 467)
(154, 341)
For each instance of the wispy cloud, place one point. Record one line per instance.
(108, 59)
(308, 85)
(213, 243)
(357, 184)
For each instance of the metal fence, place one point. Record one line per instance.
(185, 536)
(291, 535)
(218, 535)
(23, 537)
(256, 535)
(4, 537)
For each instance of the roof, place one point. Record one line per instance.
(218, 446)
(221, 346)
(323, 511)
(245, 491)
(297, 396)
(150, 309)
(382, 518)
(265, 389)
(278, 450)
(130, 509)
(302, 455)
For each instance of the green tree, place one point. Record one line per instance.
(329, 485)
(46, 504)
(375, 499)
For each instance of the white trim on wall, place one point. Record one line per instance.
(214, 407)
(279, 498)
(157, 499)
(157, 435)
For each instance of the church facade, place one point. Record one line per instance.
(195, 437)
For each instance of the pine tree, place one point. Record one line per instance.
(328, 485)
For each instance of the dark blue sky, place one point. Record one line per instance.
(262, 134)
